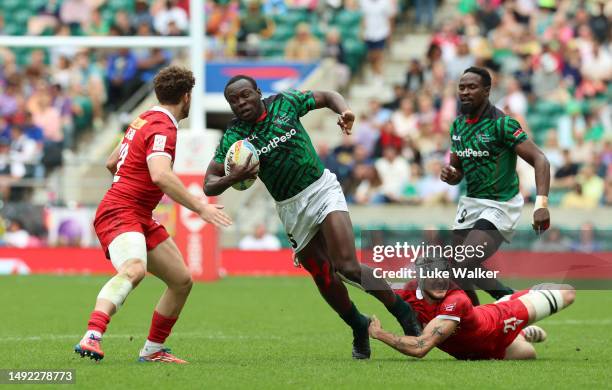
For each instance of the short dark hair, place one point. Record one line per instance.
(482, 72)
(172, 83)
(241, 77)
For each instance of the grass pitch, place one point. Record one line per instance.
(274, 333)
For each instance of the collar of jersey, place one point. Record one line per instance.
(471, 121)
(168, 113)
(263, 115)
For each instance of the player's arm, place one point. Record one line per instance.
(335, 102)
(529, 152)
(160, 169)
(217, 181)
(436, 331)
(452, 173)
(113, 159)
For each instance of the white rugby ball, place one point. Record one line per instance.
(239, 152)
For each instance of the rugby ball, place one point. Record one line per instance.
(239, 152)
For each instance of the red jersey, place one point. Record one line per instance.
(151, 134)
(483, 332)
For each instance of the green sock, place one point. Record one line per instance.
(355, 319)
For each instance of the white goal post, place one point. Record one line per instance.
(194, 42)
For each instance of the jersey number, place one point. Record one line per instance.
(123, 152)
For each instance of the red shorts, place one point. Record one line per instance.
(499, 325)
(112, 220)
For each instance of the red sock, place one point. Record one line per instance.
(160, 328)
(98, 321)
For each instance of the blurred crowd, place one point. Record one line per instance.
(551, 63)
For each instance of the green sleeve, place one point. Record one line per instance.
(227, 140)
(511, 131)
(453, 149)
(303, 101)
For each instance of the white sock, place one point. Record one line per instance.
(150, 347)
(95, 333)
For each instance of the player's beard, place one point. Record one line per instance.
(467, 109)
(186, 108)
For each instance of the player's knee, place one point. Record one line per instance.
(568, 293)
(351, 271)
(134, 270)
(182, 284)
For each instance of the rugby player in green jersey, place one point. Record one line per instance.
(309, 200)
(485, 143)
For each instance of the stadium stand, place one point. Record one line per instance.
(554, 75)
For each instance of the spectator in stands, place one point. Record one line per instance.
(424, 12)
(46, 18)
(565, 176)
(552, 241)
(303, 46)
(9, 97)
(592, 185)
(142, 15)
(387, 138)
(552, 150)
(576, 199)
(414, 76)
(68, 51)
(16, 236)
(75, 13)
(514, 103)
(123, 24)
(96, 25)
(24, 153)
(121, 72)
(91, 78)
(366, 134)
(254, 27)
(607, 200)
(394, 173)
(600, 23)
(260, 240)
(378, 17)
(46, 116)
(587, 243)
(343, 158)
(223, 24)
(462, 60)
(334, 49)
(405, 120)
(171, 12)
(365, 186)
(433, 191)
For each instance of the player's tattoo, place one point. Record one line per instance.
(397, 342)
(436, 331)
(420, 343)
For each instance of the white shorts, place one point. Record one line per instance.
(302, 214)
(128, 246)
(504, 215)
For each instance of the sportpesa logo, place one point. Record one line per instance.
(274, 141)
(472, 153)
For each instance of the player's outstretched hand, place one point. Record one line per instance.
(449, 174)
(374, 327)
(541, 220)
(346, 120)
(213, 213)
(245, 171)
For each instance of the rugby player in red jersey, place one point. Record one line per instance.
(451, 323)
(134, 241)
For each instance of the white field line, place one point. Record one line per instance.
(221, 336)
(192, 335)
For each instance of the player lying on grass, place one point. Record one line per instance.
(485, 143)
(309, 199)
(493, 331)
(135, 242)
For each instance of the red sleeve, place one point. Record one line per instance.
(160, 140)
(455, 306)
